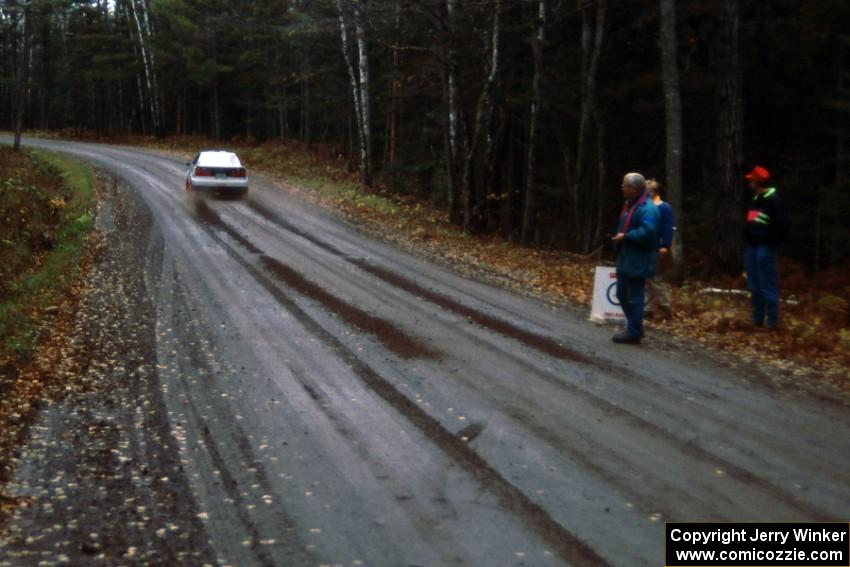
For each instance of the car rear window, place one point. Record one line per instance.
(219, 159)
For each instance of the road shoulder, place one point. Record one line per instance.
(100, 476)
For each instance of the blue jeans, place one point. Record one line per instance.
(763, 281)
(630, 293)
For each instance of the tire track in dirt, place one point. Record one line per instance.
(562, 541)
(550, 347)
(388, 334)
(229, 482)
(541, 343)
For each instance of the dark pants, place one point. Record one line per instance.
(763, 281)
(630, 293)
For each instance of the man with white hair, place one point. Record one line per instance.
(637, 253)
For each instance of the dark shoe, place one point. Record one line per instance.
(625, 338)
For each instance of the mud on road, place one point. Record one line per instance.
(276, 388)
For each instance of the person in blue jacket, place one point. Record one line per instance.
(637, 253)
(658, 287)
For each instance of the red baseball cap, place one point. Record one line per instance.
(759, 174)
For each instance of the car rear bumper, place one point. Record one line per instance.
(211, 183)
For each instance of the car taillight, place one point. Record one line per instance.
(236, 172)
(203, 172)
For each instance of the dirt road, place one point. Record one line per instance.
(279, 389)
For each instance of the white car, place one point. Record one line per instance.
(217, 171)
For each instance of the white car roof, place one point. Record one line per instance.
(218, 159)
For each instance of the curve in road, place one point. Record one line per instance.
(336, 400)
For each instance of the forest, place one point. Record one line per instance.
(518, 116)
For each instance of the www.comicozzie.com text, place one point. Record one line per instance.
(735, 535)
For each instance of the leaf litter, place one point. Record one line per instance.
(91, 471)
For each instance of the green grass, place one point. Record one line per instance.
(315, 174)
(347, 193)
(49, 283)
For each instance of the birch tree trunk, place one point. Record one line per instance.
(365, 114)
(673, 123)
(156, 107)
(727, 190)
(23, 79)
(353, 80)
(146, 56)
(450, 74)
(537, 48)
(483, 114)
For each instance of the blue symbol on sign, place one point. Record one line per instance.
(612, 294)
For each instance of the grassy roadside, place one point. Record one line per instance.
(41, 252)
(46, 208)
(813, 346)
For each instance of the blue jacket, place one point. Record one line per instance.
(638, 252)
(665, 224)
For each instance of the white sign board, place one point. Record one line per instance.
(605, 305)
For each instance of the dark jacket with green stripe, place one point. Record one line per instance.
(767, 221)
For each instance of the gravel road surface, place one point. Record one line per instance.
(275, 388)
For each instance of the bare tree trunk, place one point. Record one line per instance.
(601, 180)
(591, 46)
(673, 124)
(483, 114)
(537, 48)
(365, 114)
(281, 115)
(44, 118)
(157, 107)
(305, 81)
(23, 79)
(395, 89)
(354, 81)
(452, 102)
(146, 56)
(216, 112)
(728, 114)
(143, 124)
(842, 96)
(178, 115)
(301, 117)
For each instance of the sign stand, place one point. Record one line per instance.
(605, 306)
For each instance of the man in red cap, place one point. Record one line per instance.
(766, 228)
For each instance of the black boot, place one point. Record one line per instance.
(625, 338)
